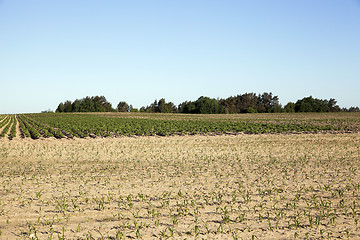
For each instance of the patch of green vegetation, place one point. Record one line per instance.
(106, 125)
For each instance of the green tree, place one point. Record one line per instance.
(289, 107)
(60, 108)
(76, 105)
(87, 104)
(132, 109)
(165, 107)
(161, 106)
(68, 106)
(268, 103)
(123, 107)
(310, 104)
(187, 107)
(206, 105)
(332, 105)
(353, 109)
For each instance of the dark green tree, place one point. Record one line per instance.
(289, 107)
(310, 104)
(132, 109)
(87, 104)
(123, 107)
(60, 108)
(187, 107)
(165, 107)
(76, 105)
(332, 106)
(161, 106)
(268, 103)
(206, 105)
(68, 106)
(353, 109)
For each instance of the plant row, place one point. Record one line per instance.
(83, 125)
(45, 130)
(5, 120)
(68, 125)
(10, 122)
(13, 128)
(36, 130)
(2, 117)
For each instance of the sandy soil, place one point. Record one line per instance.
(181, 187)
(18, 131)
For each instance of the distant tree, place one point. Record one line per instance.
(265, 102)
(187, 107)
(153, 107)
(87, 104)
(289, 107)
(230, 105)
(101, 104)
(68, 106)
(132, 109)
(268, 103)
(123, 107)
(244, 103)
(47, 111)
(60, 108)
(161, 106)
(310, 104)
(353, 109)
(332, 105)
(76, 105)
(247, 100)
(305, 105)
(165, 107)
(206, 105)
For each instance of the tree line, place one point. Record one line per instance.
(242, 103)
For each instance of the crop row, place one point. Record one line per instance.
(45, 130)
(13, 127)
(9, 122)
(37, 126)
(36, 130)
(83, 125)
(5, 120)
(2, 117)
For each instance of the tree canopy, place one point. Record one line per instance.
(242, 103)
(87, 104)
(310, 104)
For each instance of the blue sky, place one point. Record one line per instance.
(141, 50)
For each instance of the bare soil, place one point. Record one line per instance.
(181, 187)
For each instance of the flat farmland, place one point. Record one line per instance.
(297, 183)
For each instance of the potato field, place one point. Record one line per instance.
(63, 125)
(179, 176)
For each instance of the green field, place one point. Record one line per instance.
(83, 125)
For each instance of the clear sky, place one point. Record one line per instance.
(141, 50)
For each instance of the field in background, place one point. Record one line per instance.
(93, 125)
(189, 185)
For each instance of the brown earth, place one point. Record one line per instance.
(181, 187)
(18, 131)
